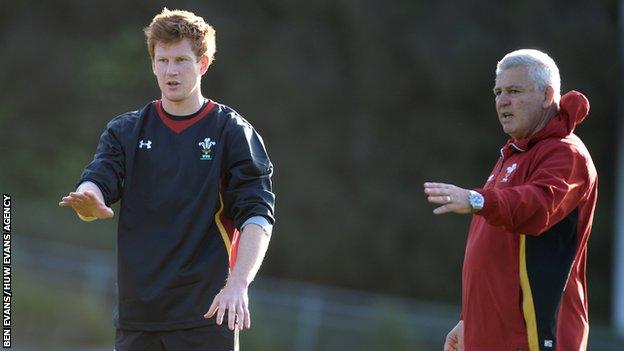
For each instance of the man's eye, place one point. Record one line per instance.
(181, 59)
(162, 60)
(497, 92)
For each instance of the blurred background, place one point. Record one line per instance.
(359, 103)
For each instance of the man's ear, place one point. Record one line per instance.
(204, 62)
(549, 97)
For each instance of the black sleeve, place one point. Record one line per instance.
(107, 169)
(248, 190)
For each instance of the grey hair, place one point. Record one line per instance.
(541, 68)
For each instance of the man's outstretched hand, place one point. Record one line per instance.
(87, 204)
(452, 198)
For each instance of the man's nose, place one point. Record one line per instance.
(172, 69)
(502, 99)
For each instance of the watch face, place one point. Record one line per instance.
(476, 200)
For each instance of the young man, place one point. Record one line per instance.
(190, 174)
(523, 281)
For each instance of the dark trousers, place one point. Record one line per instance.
(210, 338)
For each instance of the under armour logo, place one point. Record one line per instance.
(147, 144)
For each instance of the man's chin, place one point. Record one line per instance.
(507, 129)
(175, 99)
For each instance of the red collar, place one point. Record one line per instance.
(179, 126)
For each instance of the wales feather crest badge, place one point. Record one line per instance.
(206, 148)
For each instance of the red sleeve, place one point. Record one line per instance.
(551, 192)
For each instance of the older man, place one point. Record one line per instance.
(523, 281)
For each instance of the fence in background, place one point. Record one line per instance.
(286, 315)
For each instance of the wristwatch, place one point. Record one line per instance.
(476, 201)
